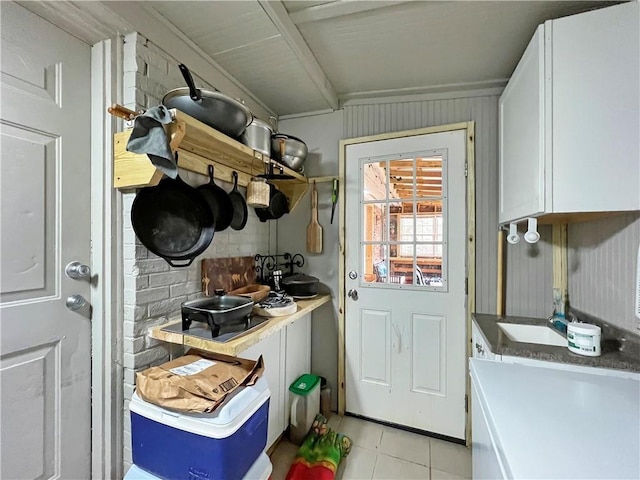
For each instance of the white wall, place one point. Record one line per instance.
(321, 133)
(153, 291)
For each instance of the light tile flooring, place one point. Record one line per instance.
(387, 453)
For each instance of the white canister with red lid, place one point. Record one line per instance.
(584, 338)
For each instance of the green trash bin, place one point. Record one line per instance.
(304, 407)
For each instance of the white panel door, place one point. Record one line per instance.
(45, 349)
(405, 274)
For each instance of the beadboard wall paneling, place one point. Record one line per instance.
(529, 282)
(602, 269)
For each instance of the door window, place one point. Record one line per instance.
(403, 215)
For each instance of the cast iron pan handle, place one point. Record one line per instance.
(235, 180)
(211, 178)
(194, 93)
(173, 263)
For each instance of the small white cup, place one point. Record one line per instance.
(532, 235)
(513, 236)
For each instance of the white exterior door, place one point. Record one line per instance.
(45, 349)
(405, 274)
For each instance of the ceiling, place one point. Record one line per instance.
(304, 56)
(293, 57)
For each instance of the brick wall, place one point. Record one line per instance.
(153, 291)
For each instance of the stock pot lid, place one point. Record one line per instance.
(299, 279)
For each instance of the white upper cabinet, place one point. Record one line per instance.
(570, 119)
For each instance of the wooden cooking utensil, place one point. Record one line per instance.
(314, 230)
(122, 112)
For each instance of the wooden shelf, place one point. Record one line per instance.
(199, 146)
(239, 344)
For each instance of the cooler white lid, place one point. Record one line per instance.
(221, 423)
(260, 470)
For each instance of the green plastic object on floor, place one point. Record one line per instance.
(304, 384)
(320, 454)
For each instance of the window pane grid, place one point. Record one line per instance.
(405, 200)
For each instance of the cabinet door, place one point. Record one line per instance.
(270, 349)
(596, 105)
(522, 136)
(486, 463)
(298, 358)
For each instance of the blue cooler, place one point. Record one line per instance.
(260, 470)
(222, 445)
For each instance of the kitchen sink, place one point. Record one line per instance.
(540, 334)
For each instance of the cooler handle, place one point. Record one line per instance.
(294, 411)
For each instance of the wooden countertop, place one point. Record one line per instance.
(239, 344)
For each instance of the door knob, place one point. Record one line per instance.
(76, 302)
(77, 271)
(353, 293)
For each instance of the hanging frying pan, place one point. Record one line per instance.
(218, 201)
(278, 206)
(240, 213)
(173, 221)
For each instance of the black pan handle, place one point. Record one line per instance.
(173, 263)
(235, 180)
(194, 92)
(211, 178)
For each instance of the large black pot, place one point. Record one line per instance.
(213, 108)
(300, 285)
(173, 221)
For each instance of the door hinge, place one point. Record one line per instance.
(466, 403)
(466, 169)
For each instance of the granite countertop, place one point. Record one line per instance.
(620, 349)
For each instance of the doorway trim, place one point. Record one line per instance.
(469, 128)
(106, 254)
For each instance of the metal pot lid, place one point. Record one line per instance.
(299, 279)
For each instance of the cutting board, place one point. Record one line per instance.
(227, 273)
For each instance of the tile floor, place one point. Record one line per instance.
(387, 453)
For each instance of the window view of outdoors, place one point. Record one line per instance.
(404, 234)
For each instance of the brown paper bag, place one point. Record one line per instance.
(197, 382)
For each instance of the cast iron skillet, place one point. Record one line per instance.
(218, 201)
(173, 221)
(278, 206)
(240, 213)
